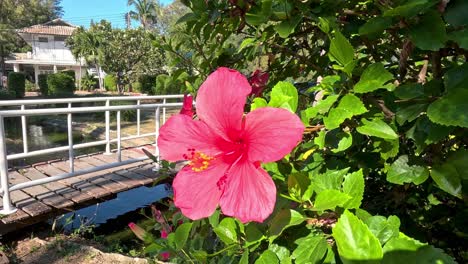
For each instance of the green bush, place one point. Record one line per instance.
(88, 82)
(60, 84)
(70, 73)
(148, 83)
(136, 87)
(6, 94)
(110, 83)
(30, 86)
(42, 81)
(16, 83)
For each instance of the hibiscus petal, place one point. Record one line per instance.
(181, 133)
(249, 193)
(221, 99)
(271, 133)
(197, 193)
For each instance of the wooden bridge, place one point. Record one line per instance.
(39, 191)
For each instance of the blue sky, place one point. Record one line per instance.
(80, 12)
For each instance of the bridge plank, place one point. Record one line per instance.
(28, 204)
(76, 195)
(18, 216)
(132, 175)
(130, 183)
(39, 192)
(81, 182)
(61, 190)
(99, 178)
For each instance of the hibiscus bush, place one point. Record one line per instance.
(348, 145)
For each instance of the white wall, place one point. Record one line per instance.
(50, 50)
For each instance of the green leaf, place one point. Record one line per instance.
(387, 148)
(298, 183)
(403, 249)
(214, 219)
(383, 228)
(374, 77)
(341, 50)
(257, 103)
(456, 79)
(450, 110)
(330, 180)
(227, 231)
(199, 255)
(460, 37)
(252, 234)
(329, 199)
(245, 258)
(409, 9)
(409, 91)
(375, 25)
(321, 107)
(267, 257)
(400, 172)
(284, 95)
(281, 252)
(246, 42)
(152, 248)
(433, 39)
(455, 13)
(259, 14)
(287, 27)
(355, 241)
(353, 185)
(310, 249)
(338, 140)
(319, 140)
(376, 128)
(448, 175)
(349, 106)
(282, 220)
(181, 234)
(410, 112)
(425, 132)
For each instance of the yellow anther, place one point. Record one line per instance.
(200, 161)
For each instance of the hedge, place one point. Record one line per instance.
(110, 83)
(60, 84)
(17, 83)
(148, 83)
(42, 81)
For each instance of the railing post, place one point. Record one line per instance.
(108, 150)
(25, 132)
(71, 155)
(138, 118)
(8, 208)
(119, 136)
(157, 125)
(164, 110)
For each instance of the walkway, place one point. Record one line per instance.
(38, 203)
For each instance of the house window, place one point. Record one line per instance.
(60, 38)
(43, 39)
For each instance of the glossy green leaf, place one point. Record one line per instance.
(409, 8)
(355, 241)
(259, 14)
(375, 25)
(353, 185)
(401, 172)
(456, 79)
(450, 110)
(384, 229)
(199, 255)
(321, 107)
(287, 27)
(373, 78)
(245, 258)
(449, 174)
(258, 103)
(387, 148)
(410, 112)
(338, 140)
(283, 219)
(267, 257)
(298, 183)
(331, 180)
(310, 249)
(181, 234)
(281, 252)
(227, 231)
(377, 128)
(330, 199)
(284, 95)
(455, 13)
(433, 39)
(460, 37)
(403, 249)
(349, 106)
(409, 91)
(425, 132)
(341, 50)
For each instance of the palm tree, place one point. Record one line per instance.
(144, 12)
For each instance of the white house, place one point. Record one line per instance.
(49, 52)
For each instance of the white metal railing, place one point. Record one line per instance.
(23, 112)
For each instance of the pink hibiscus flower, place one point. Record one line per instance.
(225, 149)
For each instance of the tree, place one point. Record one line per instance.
(145, 12)
(15, 14)
(91, 45)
